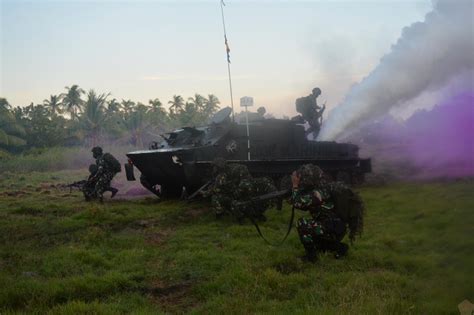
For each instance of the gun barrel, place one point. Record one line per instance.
(269, 196)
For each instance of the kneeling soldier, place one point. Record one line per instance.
(333, 208)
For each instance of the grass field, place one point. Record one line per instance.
(60, 255)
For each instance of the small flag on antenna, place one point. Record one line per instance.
(227, 49)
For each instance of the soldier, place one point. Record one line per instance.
(333, 208)
(107, 167)
(227, 179)
(253, 187)
(89, 187)
(310, 112)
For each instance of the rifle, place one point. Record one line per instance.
(200, 190)
(79, 185)
(280, 194)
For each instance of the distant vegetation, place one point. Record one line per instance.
(77, 117)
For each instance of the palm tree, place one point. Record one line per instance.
(136, 124)
(177, 105)
(53, 104)
(93, 117)
(72, 100)
(198, 102)
(113, 106)
(11, 132)
(127, 106)
(155, 106)
(4, 103)
(211, 105)
(157, 112)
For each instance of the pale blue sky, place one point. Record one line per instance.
(146, 49)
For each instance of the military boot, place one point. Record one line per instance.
(114, 191)
(341, 250)
(311, 254)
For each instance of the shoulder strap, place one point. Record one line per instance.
(290, 226)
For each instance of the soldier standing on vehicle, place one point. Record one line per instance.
(107, 167)
(310, 112)
(333, 208)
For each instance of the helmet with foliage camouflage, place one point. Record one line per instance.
(310, 176)
(239, 172)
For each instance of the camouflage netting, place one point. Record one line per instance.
(310, 176)
(348, 206)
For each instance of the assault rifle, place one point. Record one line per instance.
(199, 191)
(279, 194)
(77, 185)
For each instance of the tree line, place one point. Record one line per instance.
(77, 117)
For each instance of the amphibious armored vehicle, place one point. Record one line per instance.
(183, 160)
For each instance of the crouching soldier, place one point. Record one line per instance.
(250, 188)
(228, 177)
(107, 168)
(89, 187)
(334, 207)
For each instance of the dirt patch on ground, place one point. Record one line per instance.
(197, 212)
(158, 237)
(143, 224)
(16, 193)
(172, 298)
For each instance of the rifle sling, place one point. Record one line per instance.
(290, 226)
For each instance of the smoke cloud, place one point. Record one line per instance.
(430, 144)
(425, 58)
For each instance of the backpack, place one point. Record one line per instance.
(349, 207)
(112, 163)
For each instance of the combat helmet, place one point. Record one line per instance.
(96, 150)
(316, 91)
(310, 176)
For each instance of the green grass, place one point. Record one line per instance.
(60, 255)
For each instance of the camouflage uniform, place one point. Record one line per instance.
(253, 187)
(226, 185)
(325, 229)
(104, 175)
(89, 187)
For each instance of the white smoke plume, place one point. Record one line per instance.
(425, 58)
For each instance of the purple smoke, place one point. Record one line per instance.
(434, 143)
(441, 141)
(427, 56)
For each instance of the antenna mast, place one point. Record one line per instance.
(228, 60)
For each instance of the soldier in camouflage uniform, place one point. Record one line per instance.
(233, 183)
(249, 188)
(333, 208)
(104, 174)
(227, 180)
(89, 187)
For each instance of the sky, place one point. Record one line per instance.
(142, 50)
